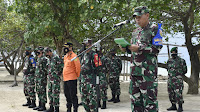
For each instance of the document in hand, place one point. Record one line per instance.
(122, 42)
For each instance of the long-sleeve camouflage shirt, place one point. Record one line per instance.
(55, 65)
(30, 64)
(146, 58)
(176, 67)
(41, 68)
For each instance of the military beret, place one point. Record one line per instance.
(138, 11)
(40, 48)
(28, 49)
(68, 44)
(174, 49)
(87, 40)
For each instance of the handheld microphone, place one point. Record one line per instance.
(122, 23)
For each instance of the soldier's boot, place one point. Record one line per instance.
(56, 109)
(104, 105)
(69, 107)
(36, 108)
(42, 108)
(99, 103)
(75, 109)
(51, 109)
(173, 107)
(117, 99)
(80, 104)
(113, 98)
(33, 105)
(180, 108)
(28, 102)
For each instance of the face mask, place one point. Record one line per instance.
(66, 50)
(113, 54)
(174, 55)
(37, 53)
(48, 56)
(27, 53)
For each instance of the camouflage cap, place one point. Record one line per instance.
(174, 49)
(138, 11)
(28, 49)
(68, 44)
(40, 48)
(47, 49)
(87, 40)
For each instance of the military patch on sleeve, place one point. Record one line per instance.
(97, 61)
(157, 40)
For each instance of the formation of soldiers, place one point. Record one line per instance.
(47, 67)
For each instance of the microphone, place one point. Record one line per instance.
(122, 23)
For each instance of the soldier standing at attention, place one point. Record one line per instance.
(55, 65)
(89, 64)
(143, 84)
(41, 79)
(29, 77)
(71, 72)
(115, 70)
(176, 67)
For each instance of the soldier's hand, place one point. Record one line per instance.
(122, 49)
(133, 48)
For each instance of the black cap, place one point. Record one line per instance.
(68, 44)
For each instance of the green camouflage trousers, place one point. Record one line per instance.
(54, 92)
(41, 84)
(103, 86)
(25, 78)
(89, 99)
(143, 94)
(31, 86)
(114, 84)
(175, 90)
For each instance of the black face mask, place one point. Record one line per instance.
(27, 53)
(48, 56)
(174, 55)
(113, 54)
(37, 53)
(66, 50)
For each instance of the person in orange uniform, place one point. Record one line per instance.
(71, 72)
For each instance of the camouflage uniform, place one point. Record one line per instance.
(41, 78)
(103, 85)
(115, 70)
(29, 78)
(143, 85)
(176, 69)
(55, 65)
(88, 82)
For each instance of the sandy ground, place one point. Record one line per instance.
(11, 98)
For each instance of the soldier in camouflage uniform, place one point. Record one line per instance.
(41, 79)
(115, 70)
(29, 76)
(55, 65)
(103, 84)
(176, 67)
(143, 85)
(89, 64)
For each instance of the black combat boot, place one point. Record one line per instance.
(56, 109)
(173, 107)
(51, 109)
(36, 108)
(69, 107)
(180, 108)
(42, 108)
(99, 103)
(104, 105)
(75, 109)
(27, 103)
(117, 99)
(33, 105)
(113, 98)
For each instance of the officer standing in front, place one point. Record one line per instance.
(55, 65)
(71, 72)
(89, 64)
(29, 77)
(177, 68)
(143, 84)
(41, 78)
